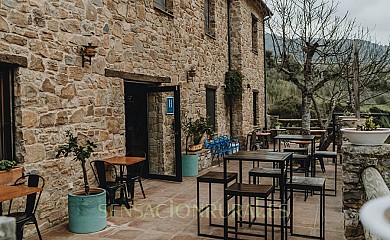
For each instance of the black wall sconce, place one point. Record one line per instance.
(87, 52)
(191, 74)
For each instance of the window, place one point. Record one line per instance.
(210, 107)
(164, 5)
(254, 34)
(255, 115)
(7, 145)
(209, 17)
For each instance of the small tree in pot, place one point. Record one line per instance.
(81, 153)
(84, 218)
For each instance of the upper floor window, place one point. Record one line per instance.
(254, 34)
(164, 5)
(209, 17)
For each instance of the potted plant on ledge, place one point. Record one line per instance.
(278, 125)
(194, 130)
(86, 209)
(368, 133)
(9, 171)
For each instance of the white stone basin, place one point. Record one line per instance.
(366, 138)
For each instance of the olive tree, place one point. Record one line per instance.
(307, 36)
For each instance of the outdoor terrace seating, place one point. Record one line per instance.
(169, 212)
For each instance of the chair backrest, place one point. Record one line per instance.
(30, 180)
(99, 171)
(135, 169)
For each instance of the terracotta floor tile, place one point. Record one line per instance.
(169, 212)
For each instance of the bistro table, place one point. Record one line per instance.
(10, 192)
(277, 158)
(310, 138)
(123, 162)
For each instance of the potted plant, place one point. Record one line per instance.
(9, 171)
(194, 130)
(369, 133)
(277, 125)
(86, 208)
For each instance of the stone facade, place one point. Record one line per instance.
(54, 93)
(355, 160)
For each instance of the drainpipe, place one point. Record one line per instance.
(229, 65)
(229, 37)
(265, 74)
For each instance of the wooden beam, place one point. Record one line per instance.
(13, 59)
(136, 77)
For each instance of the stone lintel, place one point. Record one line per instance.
(13, 59)
(210, 86)
(136, 77)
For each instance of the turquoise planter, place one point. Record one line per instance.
(87, 213)
(189, 165)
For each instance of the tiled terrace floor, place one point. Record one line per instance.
(169, 212)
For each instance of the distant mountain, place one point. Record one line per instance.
(364, 45)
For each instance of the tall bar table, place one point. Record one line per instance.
(277, 158)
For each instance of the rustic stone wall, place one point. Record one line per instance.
(355, 160)
(204, 160)
(250, 62)
(54, 93)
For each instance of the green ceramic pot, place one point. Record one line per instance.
(87, 213)
(189, 165)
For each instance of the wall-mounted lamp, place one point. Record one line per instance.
(87, 52)
(248, 86)
(191, 74)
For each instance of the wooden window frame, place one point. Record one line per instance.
(7, 112)
(255, 34)
(165, 6)
(209, 18)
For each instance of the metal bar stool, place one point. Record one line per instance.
(320, 155)
(238, 190)
(211, 177)
(307, 184)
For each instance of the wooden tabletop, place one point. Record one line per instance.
(295, 137)
(317, 130)
(301, 142)
(280, 129)
(11, 192)
(126, 161)
(260, 155)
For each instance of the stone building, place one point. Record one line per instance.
(147, 53)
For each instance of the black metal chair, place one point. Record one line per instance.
(133, 174)
(28, 215)
(320, 155)
(111, 187)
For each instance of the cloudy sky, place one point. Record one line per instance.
(369, 13)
